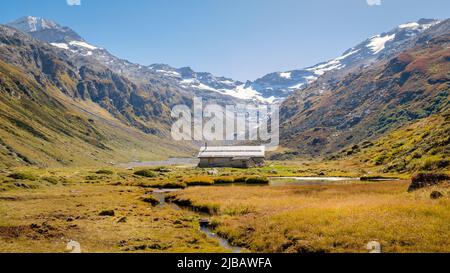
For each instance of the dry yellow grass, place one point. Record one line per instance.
(332, 218)
(42, 213)
(42, 220)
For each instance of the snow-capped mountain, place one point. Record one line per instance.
(271, 88)
(281, 84)
(45, 30)
(199, 83)
(188, 78)
(33, 24)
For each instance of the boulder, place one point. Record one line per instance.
(436, 195)
(423, 180)
(107, 213)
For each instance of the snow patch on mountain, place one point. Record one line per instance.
(271, 88)
(78, 47)
(248, 93)
(286, 75)
(83, 44)
(240, 91)
(321, 69)
(169, 73)
(419, 26)
(61, 45)
(297, 86)
(413, 25)
(378, 42)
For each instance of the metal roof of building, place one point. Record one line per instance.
(232, 151)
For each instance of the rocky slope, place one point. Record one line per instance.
(62, 94)
(54, 111)
(184, 80)
(380, 47)
(332, 114)
(274, 87)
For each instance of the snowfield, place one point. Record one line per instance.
(83, 44)
(378, 43)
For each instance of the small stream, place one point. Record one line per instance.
(222, 241)
(161, 195)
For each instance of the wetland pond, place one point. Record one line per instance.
(161, 195)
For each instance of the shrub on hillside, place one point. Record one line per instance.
(51, 180)
(433, 164)
(92, 177)
(23, 176)
(108, 172)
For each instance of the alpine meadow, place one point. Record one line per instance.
(89, 162)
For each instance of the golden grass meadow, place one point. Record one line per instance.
(121, 210)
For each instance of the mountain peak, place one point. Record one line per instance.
(45, 30)
(33, 24)
(424, 21)
(421, 24)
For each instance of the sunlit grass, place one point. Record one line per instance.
(332, 218)
(321, 218)
(73, 213)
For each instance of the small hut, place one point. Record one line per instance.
(231, 156)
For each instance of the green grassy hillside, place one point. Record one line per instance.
(421, 146)
(370, 102)
(38, 126)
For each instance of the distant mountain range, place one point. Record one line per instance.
(200, 84)
(282, 84)
(58, 108)
(270, 88)
(65, 101)
(358, 107)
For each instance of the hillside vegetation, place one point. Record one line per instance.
(369, 103)
(421, 146)
(37, 127)
(53, 113)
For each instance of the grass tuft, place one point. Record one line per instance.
(199, 181)
(257, 180)
(107, 172)
(145, 173)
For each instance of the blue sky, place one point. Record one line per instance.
(242, 39)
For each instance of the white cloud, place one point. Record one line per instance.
(374, 2)
(74, 2)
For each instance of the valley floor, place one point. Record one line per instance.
(118, 210)
(45, 220)
(328, 218)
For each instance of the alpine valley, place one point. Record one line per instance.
(88, 163)
(66, 101)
